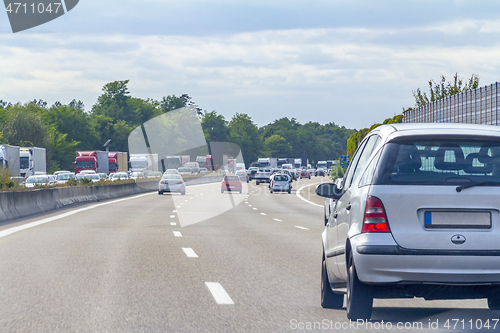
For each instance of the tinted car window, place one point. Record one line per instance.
(439, 162)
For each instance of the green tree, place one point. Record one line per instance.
(244, 133)
(214, 127)
(355, 139)
(444, 89)
(25, 128)
(276, 146)
(172, 102)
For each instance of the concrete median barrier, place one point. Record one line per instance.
(15, 205)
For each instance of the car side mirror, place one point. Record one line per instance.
(328, 190)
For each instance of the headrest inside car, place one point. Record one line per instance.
(455, 151)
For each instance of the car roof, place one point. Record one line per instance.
(389, 132)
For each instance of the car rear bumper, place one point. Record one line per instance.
(380, 260)
(171, 188)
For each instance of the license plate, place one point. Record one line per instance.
(231, 186)
(458, 220)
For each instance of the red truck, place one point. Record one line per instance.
(118, 162)
(97, 161)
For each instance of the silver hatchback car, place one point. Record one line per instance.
(416, 215)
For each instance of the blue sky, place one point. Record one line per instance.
(349, 62)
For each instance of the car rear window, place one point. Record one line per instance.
(446, 161)
(281, 178)
(231, 178)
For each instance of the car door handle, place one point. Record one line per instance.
(335, 215)
(348, 207)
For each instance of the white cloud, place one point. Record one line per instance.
(269, 74)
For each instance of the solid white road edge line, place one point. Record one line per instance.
(189, 252)
(10, 231)
(304, 199)
(218, 292)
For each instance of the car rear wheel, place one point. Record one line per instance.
(494, 303)
(257, 182)
(221, 191)
(183, 192)
(271, 190)
(160, 192)
(359, 295)
(329, 300)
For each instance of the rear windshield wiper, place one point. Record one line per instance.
(463, 187)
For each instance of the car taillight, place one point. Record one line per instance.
(163, 182)
(375, 219)
(179, 183)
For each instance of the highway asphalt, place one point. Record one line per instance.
(203, 262)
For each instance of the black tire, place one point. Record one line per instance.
(359, 295)
(160, 192)
(329, 299)
(289, 191)
(257, 182)
(494, 303)
(183, 193)
(271, 190)
(241, 191)
(221, 191)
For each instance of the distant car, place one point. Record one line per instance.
(119, 176)
(231, 183)
(135, 175)
(94, 177)
(18, 180)
(32, 181)
(103, 176)
(171, 171)
(320, 173)
(85, 172)
(251, 172)
(61, 171)
(203, 171)
(52, 180)
(305, 174)
(242, 174)
(280, 182)
(263, 176)
(62, 178)
(171, 183)
(185, 171)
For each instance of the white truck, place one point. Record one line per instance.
(143, 162)
(31, 160)
(9, 159)
(297, 163)
(321, 165)
(267, 162)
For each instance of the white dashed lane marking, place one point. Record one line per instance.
(177, 234)
(173, 223)
(278, 220)
(172, 216)
(189, 252)
(301, 227)
(263, 214)
(219, 294)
